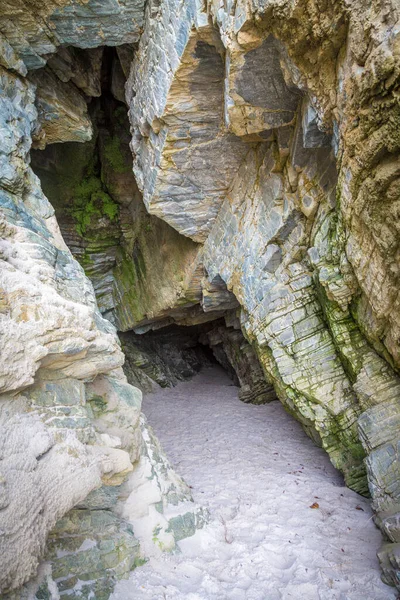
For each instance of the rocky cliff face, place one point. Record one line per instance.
(70, 429)
(265, 189)
(302, 229)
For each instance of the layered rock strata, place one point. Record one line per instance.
(144, 273)
(70, 430)
(31, 32)
(303, 228)
(53, 340)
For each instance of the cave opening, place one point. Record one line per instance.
(90, 184)
(178, 352)
(168, 355)
(133, 258)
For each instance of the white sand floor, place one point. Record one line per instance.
(258, 474)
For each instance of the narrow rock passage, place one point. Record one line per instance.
(260, 476)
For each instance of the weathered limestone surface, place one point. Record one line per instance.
(82, 67)
(52, 336)
(93, 548)
(42, 283)
(179, 135)
(306, 237)
(62, 111)
(31, 30)
(157, 502)
(282, 313)
(69, 421)
(258, 98)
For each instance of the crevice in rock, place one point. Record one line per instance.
(142, 270)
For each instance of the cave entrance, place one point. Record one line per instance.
(166, 356)
(90, 183)
(134, 260)
(177, 353)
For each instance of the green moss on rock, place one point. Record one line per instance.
(114, 155)
(91, 200)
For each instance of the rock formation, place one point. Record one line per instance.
(71, 434)
(262, 209)
(300, 238)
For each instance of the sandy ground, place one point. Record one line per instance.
(260, 476)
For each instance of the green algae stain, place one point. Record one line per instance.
(91, 200)
(114, 156)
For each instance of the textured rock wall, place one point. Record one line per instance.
(31, 31)
(303, 228)
(52, 336)
(69, 421)
(142, 270)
